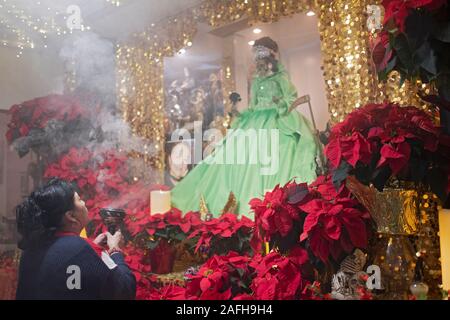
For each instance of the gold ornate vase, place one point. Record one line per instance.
(395, 212)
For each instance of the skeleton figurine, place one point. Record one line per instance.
(345, 283)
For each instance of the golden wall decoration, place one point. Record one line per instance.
(220, 12)
(140, 95)
(406, 94)
(347, 69)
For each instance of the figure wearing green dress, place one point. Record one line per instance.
(266, 146)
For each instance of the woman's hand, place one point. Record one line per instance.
(100, 238)
(114, 241)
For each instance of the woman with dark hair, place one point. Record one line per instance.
(284, 133)
(56, 262)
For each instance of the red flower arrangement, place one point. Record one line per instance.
(102, 179)
(169, 292)
(221, 278)
(383, 141)
(280, 277)
(325, 221)
(43, 123)
(398, 10)
(103, 182)
(277, 216)
(223, 234)
(336, 223)
(415, 42)
(36, 113)
(332, 228)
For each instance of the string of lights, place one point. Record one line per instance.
(28, 31)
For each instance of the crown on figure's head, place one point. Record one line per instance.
(261, 52)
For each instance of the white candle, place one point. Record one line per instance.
(444, 233)
(159, 201)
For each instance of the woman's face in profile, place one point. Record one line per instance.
(80, 210)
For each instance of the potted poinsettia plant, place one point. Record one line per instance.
(47, 126)
(328, 223)
(277, 217)
(45, 121)
(415, 41)
(223, 234)
(221, 278)
(387, 155)
(382, 142)
(159, 235)
(282, 277)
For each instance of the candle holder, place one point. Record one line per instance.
(395, 212)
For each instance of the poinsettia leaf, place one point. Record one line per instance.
(382, 75)
(403, 50)
(240, 271)
(443, 33)
(418, 168)
(445, 120)
(418, 26)
(390, 65)
(438, 180)
(380, 176)
(297, 194)
(151, 245)
(179, 236)
(22, 149)
(340, 174)
(426, 58)
(443, 85)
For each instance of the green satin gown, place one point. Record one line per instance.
(266, 146)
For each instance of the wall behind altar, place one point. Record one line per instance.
(304, 64)
(35, 73)
(14, 184)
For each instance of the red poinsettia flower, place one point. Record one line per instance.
(324, 186)
(244, 296)
(36, 113)
(169, 292)
(380, 53)
(279, 277)
(220, 278)
(353, 148)
(226, 226)
(396, 157)
(274, 214)
(333, 228)
(387, 135)
(398, 10)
